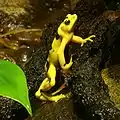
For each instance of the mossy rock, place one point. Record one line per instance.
(111, 77)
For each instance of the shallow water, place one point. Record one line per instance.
(48, 12)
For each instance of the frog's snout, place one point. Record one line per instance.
(74, 16)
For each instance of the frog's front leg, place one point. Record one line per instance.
(77, 39)
(61, 56)
(48, 82)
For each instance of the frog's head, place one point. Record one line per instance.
(68, 23)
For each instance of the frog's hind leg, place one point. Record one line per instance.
(52, 74)
(44, 86)
(55, 98)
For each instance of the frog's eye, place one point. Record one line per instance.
(67, 22)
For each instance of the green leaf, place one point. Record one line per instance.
(13, 84)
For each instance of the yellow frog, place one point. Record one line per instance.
(56, 56)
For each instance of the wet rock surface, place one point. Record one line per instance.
(35, 69)
(88, 87)
(62, 110)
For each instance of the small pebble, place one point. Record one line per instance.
(50, 9)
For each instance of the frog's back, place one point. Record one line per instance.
(53, 56)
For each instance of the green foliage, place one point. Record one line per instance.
(13, 84)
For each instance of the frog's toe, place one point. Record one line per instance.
(55, 98)
(90, 40)
(92, 36)
(38, 94)
(67, 66)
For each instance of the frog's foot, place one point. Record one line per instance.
(60, 89)
(45, 86)
(88, 39)
(67, 66)
(55, 98)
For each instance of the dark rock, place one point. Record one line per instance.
(89, 89)
(62, 110)
(35, 69)
(112, 4)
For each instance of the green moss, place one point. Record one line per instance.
(14, 7)
(13, 10)
(111, 77)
